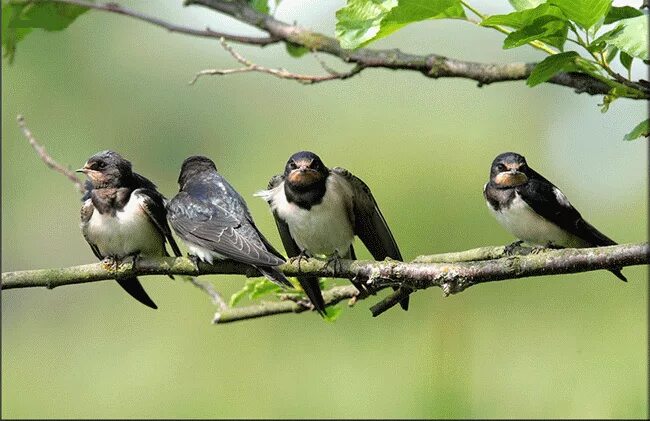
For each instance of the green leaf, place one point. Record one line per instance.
(247, 289)
(584, 12)
(599, 43)
(610, 53)
(18, 19)
(363, 21)
(260, 5)
(545, 23)
(547, 29)
(520, 19)
(632, 37)
(296, 50)
(626, 60)
(408, 11)
(49, 16)
(551, 65)
(263, 287)
(332, 313)
(641, 129)
(10, 34)
(612, 95)
(617, 13)
(525, 4)
(360, 20)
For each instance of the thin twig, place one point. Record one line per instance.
(249, 66)
(269, 308)
(209, 289)
(171, 27)
(47, 159)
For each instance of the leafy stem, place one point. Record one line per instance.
(535, 43)
(624, 86)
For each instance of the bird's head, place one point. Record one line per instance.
(509, 170)
(305, 169)
(195, 165)
(107, 169)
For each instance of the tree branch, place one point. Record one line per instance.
(433, 65)
(451, 277)
(207, 33)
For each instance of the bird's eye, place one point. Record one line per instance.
(101, 164)
(501, 167)
(293, 165)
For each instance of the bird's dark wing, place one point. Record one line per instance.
(369, 224)
(212, 227)
(140, 181)
(153, 203)
(548, 201)
(289, 244)
(309, 284)
(86, 213)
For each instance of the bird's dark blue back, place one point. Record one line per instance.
(211, 187)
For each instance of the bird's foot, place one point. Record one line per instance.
(132, 259)
(545, 247)
(299, 258)
(111, 263)
(511, 249)
(537, 249)
(195, 261)
(335, 261)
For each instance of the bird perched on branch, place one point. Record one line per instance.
(535, 211)
(123, 215)
(215, 223)
(319, 210)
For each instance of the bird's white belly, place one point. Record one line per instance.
(525, 224)
(321, 230)
(129, 231)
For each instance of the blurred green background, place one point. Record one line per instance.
(557, 346)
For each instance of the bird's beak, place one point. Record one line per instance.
(84, 169)
(511, 178)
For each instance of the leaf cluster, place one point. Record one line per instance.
(599, 31)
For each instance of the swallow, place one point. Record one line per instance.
(215, 223)
(123, 215)
(318, 211)
(535, 211)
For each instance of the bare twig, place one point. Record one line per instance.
(249, 66)
(207, 33)
(209, 289)
(269, 308)
(47, 159)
